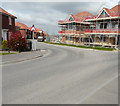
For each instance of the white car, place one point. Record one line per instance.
(40, 39)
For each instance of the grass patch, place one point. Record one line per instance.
(86, 47)
(0, 47)
(6, 53)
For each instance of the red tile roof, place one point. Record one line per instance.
(45, 33)
(81, 16)
(6, 13)
(113, 11)
(38, 30)
(21, 25)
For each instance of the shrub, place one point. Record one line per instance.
(17, 42)
(4, 45)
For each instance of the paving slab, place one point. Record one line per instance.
(18, 57)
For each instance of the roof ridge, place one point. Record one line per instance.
(7, 13)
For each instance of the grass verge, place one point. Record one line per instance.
(6, 53)
(87, 47)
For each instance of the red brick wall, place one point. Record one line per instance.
(5, 23)
(23, 32)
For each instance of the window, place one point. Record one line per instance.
(113, 25)
(10, 21)
(102, 39)
(105, 26)
(101, 26)
(71, 19)
(70, 26)
(103, 14)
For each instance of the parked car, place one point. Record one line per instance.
(40, 39)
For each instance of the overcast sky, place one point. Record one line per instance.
(45, 15)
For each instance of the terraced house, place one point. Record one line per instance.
(86, 29)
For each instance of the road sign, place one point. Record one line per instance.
(33, 28)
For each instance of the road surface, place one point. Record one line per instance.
(66, 75)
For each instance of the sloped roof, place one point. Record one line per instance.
(45, 33)
(81, 16)
(6, 13)
(39, 29)
(114, 11)
(21, 25)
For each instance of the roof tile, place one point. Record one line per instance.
(5, 12)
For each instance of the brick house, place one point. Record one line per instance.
(7, 24)
(24, 29)
(40, 32)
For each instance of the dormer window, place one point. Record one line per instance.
(71, 19)
(103, 14)
(10, 21)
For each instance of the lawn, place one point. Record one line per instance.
(6, 53)
(0, 47)
(87, 47)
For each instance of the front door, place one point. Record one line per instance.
(4, 34)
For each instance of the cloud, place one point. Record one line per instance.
(21, 16)
(46, 14)
(40, 14)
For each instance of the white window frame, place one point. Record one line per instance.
(10, 20)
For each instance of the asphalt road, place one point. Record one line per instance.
(66, 75)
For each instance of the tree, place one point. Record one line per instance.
(17, 42)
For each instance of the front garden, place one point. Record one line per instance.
(16, 42)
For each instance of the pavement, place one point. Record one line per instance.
(22, 56)
(67, 75)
